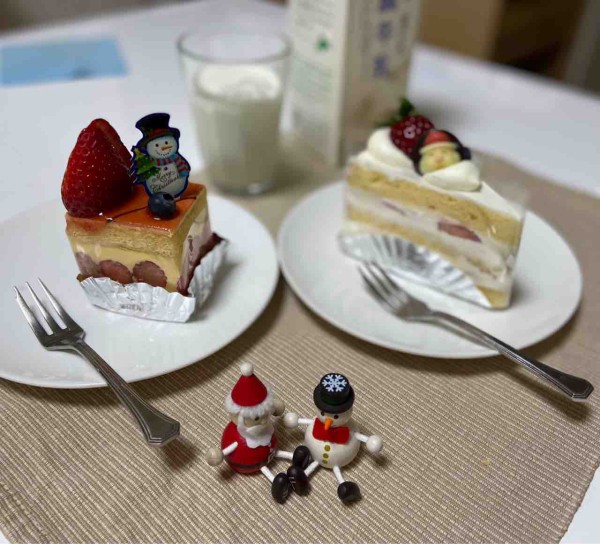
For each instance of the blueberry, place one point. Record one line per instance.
(162, 205)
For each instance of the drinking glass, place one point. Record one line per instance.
(235, 82)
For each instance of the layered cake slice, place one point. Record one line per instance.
(119, 225)
(127, 243)
(419, 183)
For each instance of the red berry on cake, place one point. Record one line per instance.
(150, 273)
(406, 133)
(97, 177)
(116, 271)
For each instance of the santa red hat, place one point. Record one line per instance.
(437, 138)
(249, 397)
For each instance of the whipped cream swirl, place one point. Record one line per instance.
(462, 176)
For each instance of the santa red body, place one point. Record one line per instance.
(248, 443)
(246, 459)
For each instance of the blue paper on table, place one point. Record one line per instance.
(60, 61)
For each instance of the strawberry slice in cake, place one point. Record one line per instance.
(117, 231)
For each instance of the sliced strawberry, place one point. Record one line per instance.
(459, 231)
(116, 271)
(87, 266)
(97, 177)
(150, 273)
(406, 133)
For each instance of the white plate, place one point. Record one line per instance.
(548, 286)
(33, 245)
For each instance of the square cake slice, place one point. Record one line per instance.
(128, 244)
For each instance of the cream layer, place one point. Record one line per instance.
(496, 258)
(383, 156)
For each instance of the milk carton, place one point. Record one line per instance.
(349, 69)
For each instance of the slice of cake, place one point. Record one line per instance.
(122, 227)
(419, 183)
(127, 243)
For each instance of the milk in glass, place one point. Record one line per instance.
(236, 109)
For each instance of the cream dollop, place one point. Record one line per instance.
(462, 176)
(380, 145)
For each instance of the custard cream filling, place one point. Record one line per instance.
(129, 258)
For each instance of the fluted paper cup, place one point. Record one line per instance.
(415, 263)
(148, 302)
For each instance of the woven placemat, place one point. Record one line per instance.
(474, 450)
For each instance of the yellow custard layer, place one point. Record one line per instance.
(129, 258)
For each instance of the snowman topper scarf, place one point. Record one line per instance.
(156, 162)
(335, 435)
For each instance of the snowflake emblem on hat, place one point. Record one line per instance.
(334, 383)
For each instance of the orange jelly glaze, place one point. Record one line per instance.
(135, 212)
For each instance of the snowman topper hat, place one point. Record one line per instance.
(249, 397)
(334, 394)
(154, 126)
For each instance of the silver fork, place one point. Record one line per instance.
(157, 427)
(397, 301)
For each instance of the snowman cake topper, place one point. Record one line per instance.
(157, 163)
(331, 438)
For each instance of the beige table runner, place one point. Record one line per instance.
(474, 450)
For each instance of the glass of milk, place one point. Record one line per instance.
(235, 81)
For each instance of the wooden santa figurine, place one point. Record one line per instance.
(331, 438)
(249, 443)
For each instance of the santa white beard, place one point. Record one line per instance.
(257, 435)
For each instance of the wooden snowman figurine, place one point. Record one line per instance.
(332, 437)
(249, 442)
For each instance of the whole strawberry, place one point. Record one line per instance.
(407, 126)
(406, 133)
(97, 177)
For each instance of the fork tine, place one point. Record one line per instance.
(67, 319)
(35, 325)
(374, 289)
(392, 287)
(383, 286)
(47, 316)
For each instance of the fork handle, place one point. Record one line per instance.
(158, 428)
(572, 386)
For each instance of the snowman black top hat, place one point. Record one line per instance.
(154, 126)
(334, 394)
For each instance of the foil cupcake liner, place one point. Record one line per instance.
(148, 302)
(411, 262)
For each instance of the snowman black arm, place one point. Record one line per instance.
(374, 442)
(215, 456)
(291, 420)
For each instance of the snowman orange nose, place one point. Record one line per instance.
(328, 423)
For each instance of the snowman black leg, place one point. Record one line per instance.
(281, 487)
(297, 473)
(348, 492)
(301, 457)
(299, 479)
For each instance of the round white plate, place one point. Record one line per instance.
(34, 245)
(547, 288)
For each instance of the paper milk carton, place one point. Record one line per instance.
(349, 70)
